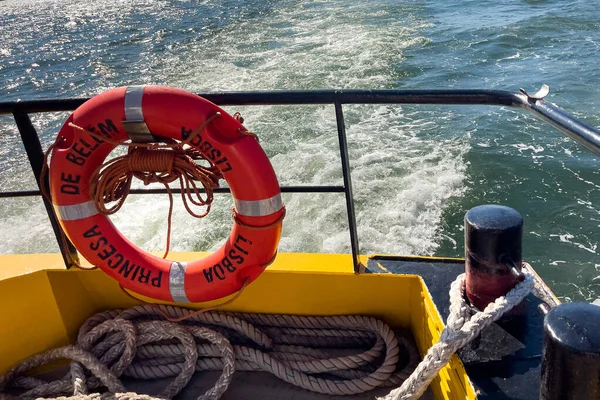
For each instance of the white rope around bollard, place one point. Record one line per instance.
(461, 328)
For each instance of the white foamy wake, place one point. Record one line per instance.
(403, 171)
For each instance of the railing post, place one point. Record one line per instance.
(339, 116)
(35, 153)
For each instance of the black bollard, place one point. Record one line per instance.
(571, 353)
(493, 235)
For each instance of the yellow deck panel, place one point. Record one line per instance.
(19, 264)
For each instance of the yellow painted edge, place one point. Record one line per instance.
(206, 304)
(12, 265)
(436, 258)
(427, 332)
(20, 264)
(384, 269)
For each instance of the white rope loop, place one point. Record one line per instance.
(461, 328)
(107, 378)
(132, 342)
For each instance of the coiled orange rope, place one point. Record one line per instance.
(153, 163)
(111, 182)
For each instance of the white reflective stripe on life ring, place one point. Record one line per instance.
(259, 208)
(134, 123)
(177, 282)
(76, 211)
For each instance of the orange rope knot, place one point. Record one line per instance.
(111, 182)
(248, 133)
(152, 165)
(238, 117)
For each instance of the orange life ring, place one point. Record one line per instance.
(135, 111)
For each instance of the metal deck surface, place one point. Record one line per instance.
(249, 386)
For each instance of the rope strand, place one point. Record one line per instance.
(461, 328)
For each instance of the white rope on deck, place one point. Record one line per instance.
(139, 343)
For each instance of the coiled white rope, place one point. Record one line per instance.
(132, 343)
